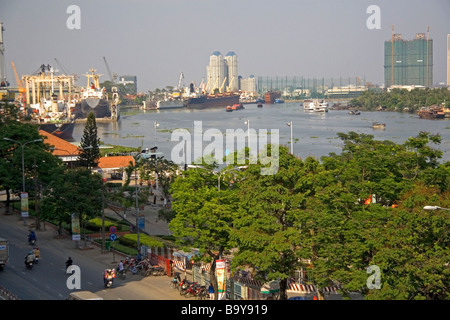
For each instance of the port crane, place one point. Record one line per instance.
(221, 86)
(20, 85)
(112, 76)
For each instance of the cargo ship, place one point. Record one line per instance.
(51, 111)
(93, 99)
(203, 101)
(271, 96)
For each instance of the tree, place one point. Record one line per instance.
(90, 151)
(39, 164)
(76, 191)
(203, 215)
(263, 227)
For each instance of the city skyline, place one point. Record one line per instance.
(157, 40)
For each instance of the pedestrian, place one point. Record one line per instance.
(211, 292)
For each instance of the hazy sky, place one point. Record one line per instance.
(157, 39)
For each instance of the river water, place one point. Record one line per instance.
(313, 134)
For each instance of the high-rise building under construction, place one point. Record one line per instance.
(408, 62)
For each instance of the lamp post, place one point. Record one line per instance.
(247, 122)
(137, 212)
(292, 141)
(434, 208)
(156, 125)
(23, 164)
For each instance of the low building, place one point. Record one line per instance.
(113, 168)
(63, 149)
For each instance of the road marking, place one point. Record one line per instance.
(89, 283)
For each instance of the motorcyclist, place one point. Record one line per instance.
(29, 258)
(108, 274)
(31, 237)
(69, 262)
(120, 267)
(37, 254)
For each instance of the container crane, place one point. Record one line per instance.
(112, 76)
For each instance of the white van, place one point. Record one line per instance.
(83, 295)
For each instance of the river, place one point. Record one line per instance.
(313, 134)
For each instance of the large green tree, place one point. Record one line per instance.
(204, 215)
(90, 144)
(77, 191)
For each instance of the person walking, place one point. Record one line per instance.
(211, 292)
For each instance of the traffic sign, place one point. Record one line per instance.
(113, 237)
(113, 229)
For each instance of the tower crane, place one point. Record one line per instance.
(112, 76)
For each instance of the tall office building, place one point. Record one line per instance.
(448, 59)
(222, 72)
(408, 62)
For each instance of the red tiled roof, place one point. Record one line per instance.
(115, 162)
(62, 147)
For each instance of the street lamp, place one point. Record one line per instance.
(23, 163)
(434, 208)
(292, 141)
(156, 125)
(247, 122)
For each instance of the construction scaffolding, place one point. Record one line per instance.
(303, 87)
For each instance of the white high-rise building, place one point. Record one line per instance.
(231, 60)
(222, 72)
(448, 59)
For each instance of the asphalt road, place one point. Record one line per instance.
(48, 279)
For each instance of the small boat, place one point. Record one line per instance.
(378, 125)
(235, 107)
(354, 112)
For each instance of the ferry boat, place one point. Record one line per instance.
(169, 104)
(315, 105)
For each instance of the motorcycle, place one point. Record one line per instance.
(68, 263)
(108, 277)
(29, 262)
(31, 238)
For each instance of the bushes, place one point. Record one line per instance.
(96, 225)
(131, 240)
